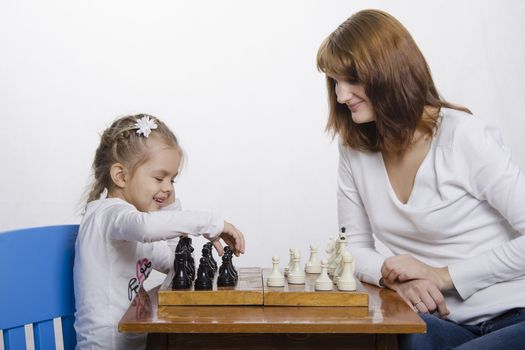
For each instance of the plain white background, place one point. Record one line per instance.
(237, 82)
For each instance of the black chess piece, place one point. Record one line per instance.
(203, 281)
(184, 247)
(233, 271)
(226, 272)
(181, 279)
(212, 262)
(206, 255)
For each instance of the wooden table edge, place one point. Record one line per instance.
(377, 297)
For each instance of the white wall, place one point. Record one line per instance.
(237, 82)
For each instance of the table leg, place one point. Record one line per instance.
(157, 341)
(386, 342)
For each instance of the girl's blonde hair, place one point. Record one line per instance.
(374, 49)
(120, 143)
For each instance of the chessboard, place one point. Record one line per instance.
(247, 291)
(252, 289)
(308, 286)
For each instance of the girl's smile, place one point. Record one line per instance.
(150, 186)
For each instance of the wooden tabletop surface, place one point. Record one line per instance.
(386, 314)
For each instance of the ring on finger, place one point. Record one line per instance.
(417, 303)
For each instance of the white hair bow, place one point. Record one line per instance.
(145, 125)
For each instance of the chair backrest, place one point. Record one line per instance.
(36, 285)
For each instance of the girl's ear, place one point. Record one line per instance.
(118, 174)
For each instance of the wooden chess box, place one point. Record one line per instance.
(251, 289)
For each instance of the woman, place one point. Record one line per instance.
(432, 182)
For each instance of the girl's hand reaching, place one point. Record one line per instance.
(232, 237)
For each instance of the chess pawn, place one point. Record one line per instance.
(313, 265)
(229, 253)
(346, 281)
(226, 277)
(181, 279)
(203, 280)
(290, 263)
(276, 279)
(323, 282)
(296, 275)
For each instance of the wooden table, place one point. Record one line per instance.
(278, 327)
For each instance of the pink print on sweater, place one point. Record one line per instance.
(142, 270)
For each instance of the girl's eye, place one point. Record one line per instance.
(158, 179)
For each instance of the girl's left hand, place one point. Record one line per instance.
(232, 237)
(405, 267)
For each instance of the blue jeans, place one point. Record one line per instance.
(506, 331)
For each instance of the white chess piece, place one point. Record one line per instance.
(313, 265)
(346, 281)
(290, 263)
(339, 249)
(296, 274)
(339, 265)
(323, 282)
(330, 251)
(330, 248)
(276, 279)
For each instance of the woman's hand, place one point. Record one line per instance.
(404, 268)
(421, 295)
(232, 237)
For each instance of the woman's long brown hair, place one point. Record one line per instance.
(374, 49)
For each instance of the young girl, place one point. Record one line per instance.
(432, 182)
(123, 237)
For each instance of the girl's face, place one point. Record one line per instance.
(354, 97)
(150, 187)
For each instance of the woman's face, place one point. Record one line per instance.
(354, 97)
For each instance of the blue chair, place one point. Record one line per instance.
(36, 267)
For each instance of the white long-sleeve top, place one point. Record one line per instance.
(116, 248)
(466, 211)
